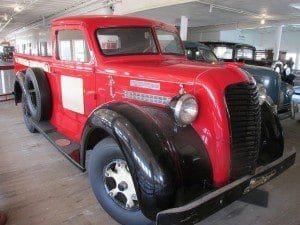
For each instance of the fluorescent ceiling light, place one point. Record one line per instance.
(296, 5)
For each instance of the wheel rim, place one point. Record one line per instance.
(119, 185)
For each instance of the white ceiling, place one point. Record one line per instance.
(232, 11)
(32, 10)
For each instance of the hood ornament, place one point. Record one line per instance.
(111, 87)
(181, 89)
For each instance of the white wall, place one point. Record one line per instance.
(204, 36)
(259, 38)
(290, 40)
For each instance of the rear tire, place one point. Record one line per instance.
(26, 117)
(104, 154)
(39, 102)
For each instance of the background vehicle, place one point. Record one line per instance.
(280, 91)
(6, 53)
(229, 51)
(199, 52)
(162, 130)
(296, 95)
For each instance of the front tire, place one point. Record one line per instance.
(112, 184)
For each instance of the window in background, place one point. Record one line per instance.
(72, 46)
(43, 48)
(245, 53)
(65, 52)
(79, 50)
(223, 52)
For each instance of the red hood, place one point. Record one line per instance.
(234, 64)
(172, 70)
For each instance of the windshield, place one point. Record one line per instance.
(137, 41)
(169, 42)
(245, 53)
(223, 52)
(201, 55)
(126, 41)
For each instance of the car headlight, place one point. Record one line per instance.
(262, 93)
(263, 97)
(185, 109)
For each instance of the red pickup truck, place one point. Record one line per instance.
(170, 140)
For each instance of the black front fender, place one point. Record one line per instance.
(169, 165)
(272, 141)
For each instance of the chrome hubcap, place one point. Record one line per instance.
(119, 185)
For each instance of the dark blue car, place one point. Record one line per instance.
(280, 92)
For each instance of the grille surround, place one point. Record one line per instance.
(244, 117)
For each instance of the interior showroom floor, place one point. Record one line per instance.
(38, 185)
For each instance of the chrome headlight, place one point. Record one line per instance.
(262, 94)
(263, 97)
(287, 70)
(185, 109)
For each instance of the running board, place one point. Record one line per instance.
(70, 149)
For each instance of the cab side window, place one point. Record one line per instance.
(71, 46)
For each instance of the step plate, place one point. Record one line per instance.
(69, 148)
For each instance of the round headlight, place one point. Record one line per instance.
(262, 93)
(287, 71)
(185, 108)
(264, 97)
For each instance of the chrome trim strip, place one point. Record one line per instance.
(143, 97)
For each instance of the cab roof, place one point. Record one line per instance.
(111, 21)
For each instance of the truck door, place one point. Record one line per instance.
(74, 71)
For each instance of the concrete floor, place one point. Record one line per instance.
(39, 186)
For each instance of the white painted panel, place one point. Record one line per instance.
(72, 93)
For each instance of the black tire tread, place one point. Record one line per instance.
(105, 151)
(43, 96)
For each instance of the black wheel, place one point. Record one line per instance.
(39, 102)
(26, 116)
(112, 184)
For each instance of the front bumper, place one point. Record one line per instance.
(205, 206)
